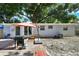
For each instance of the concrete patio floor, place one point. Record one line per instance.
(30, 48)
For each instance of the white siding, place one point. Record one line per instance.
(21, 30)
(12, 31)
(6, 30)
(43, 33)
(56, 29)
(70, 31)
(9, 30)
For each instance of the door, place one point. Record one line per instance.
(25, 30)
(17, 31)
(30, 31)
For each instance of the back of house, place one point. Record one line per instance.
(42, 30)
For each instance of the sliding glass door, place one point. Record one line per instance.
(27, 30)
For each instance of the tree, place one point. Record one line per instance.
(40, 12)
(34, 10)
(60, 12)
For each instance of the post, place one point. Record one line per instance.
(37, 41)
(28, 31)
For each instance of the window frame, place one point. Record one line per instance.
(42, 27)
(50, 27)
(65, 28)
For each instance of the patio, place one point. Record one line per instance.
(31, 49)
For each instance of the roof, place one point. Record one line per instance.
(56, 24)
(44, 23)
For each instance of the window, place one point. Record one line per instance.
(30, 30)
(17, 30)
(42, 27)
(25, 30)
(50, 27)
(65, 28)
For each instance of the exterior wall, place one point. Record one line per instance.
(12, 31)
(70, 31)
(6, 30)
(46, 33)
(1, 34)
(9, 30)
(56, 29)
(77, 29)
(21, 30)
(1, 31)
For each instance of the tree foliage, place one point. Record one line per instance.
(41, 12)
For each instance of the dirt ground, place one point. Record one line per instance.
(68, 46)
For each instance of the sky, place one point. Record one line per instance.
(75, 13)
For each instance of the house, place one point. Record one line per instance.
(1, 31)
(12, 30)
(43, 29)
(49, 29)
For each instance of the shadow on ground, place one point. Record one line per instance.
(29, 53)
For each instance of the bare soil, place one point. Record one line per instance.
(68, 46)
